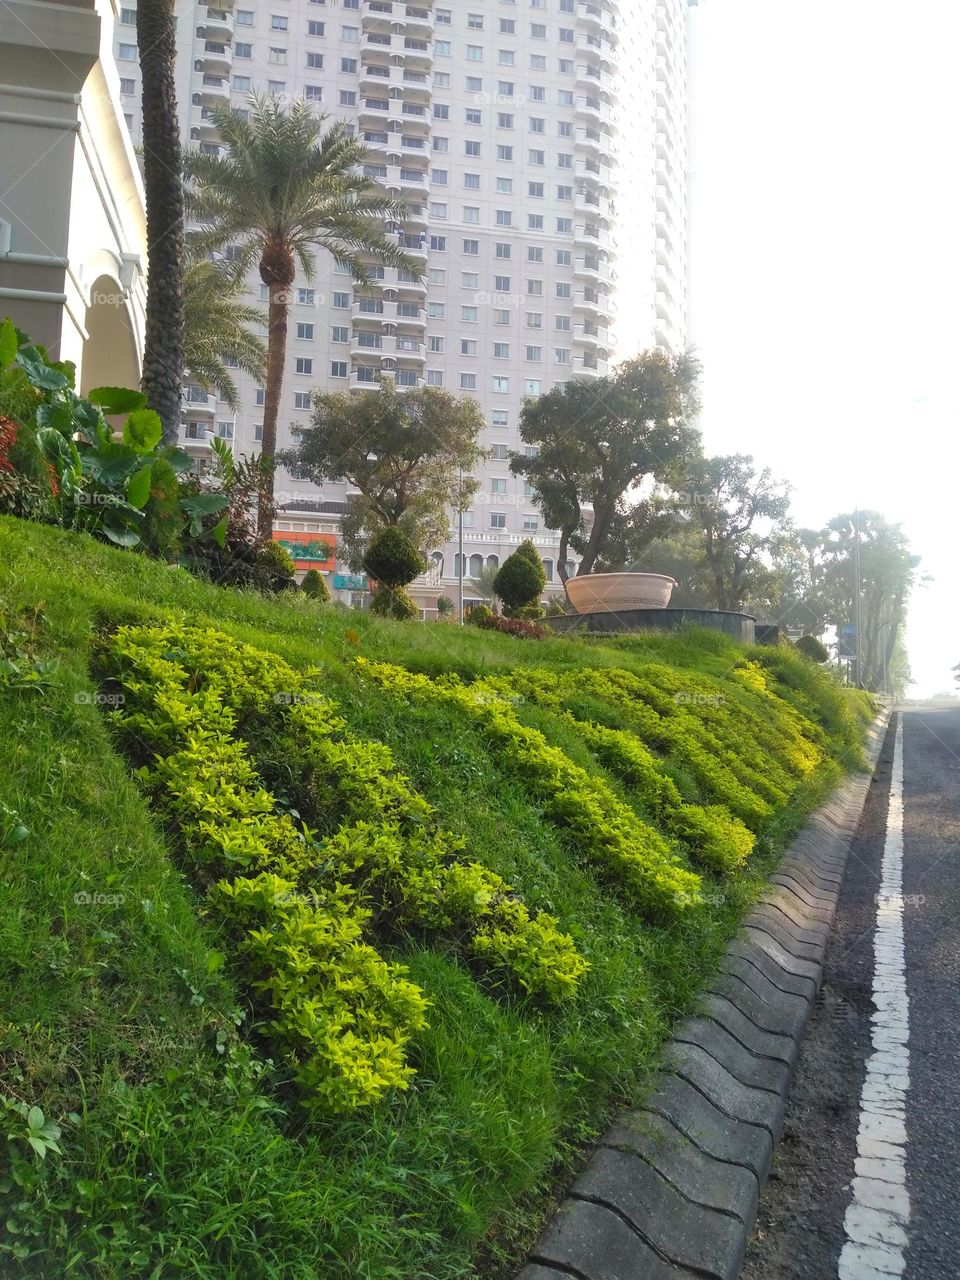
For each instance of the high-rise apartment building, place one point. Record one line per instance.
(541, 148)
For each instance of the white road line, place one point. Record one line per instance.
(876, 1220)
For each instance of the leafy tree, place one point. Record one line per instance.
(741, 529)
(888, 574)
(284, 186)
(217, 329)
(407, 453)
(597, 440)
(163, 188)
(444, 607)
(520, 582)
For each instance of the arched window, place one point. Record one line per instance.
(493, 562)
(437, 558)
(476, 566)
(456, 565)
(548, 569)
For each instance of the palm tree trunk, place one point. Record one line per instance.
(276, 356)
(163, 183)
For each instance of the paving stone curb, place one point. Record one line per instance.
(671, 1190)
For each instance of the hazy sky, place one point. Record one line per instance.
(826, 243)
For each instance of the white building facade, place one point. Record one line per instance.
(541, 148)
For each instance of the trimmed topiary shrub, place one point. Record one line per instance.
(520, 582)
(314, 585)
(394, 602)
(481, 615)
(392, 559)
(812, 648)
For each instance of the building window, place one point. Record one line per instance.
(305, 331)
(127, 52)
(468, 382)
(303, 364)
(498, 519)
(338, 368)
(301, 399)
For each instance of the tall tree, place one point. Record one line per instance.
(597, 440)
(285, 186)
(409, 455)
(888, 574)
(741, 517)
(218, 330)
(163, 185)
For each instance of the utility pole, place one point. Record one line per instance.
(857, 609)
(460, 548)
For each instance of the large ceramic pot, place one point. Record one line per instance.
(616, 592)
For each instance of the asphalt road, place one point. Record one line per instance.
(801, 1228)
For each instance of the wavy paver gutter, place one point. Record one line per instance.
(671, 1190)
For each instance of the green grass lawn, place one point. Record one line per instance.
(184, 1151)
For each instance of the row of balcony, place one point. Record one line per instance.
(379, 77)
(599, 18)
(399, 18)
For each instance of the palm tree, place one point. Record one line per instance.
(163, 338)
(216, 330)
(285, 186)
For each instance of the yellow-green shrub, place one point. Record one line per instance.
(638, 858)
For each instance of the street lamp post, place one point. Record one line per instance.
(460, 548)
(857, 609)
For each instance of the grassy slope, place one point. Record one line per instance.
(182, 1161)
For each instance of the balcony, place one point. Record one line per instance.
(366, 378)
(217, 58)
(408, 316)
(409, 350)
(213, 89)
(205, 129)
(375, 113)
(407, 181)
(376, 80)
(368, 311)
(590, 267)
(378, 11)
(590, 107)
(418, 52)
(197, 403)
(598, 18)
(590, 335)
(415, 246)
(218, 24)
(419, 21)
(591, 205)
(591, 77)
(366, 342)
